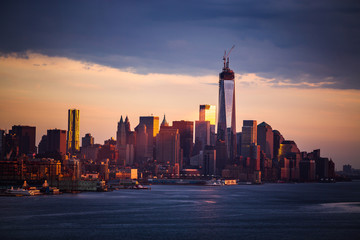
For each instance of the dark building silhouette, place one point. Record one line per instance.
(289, 159)
(11, 146)
(307, 170)
(125, 141)
(43, 145)
(347, 169)
(248, 138)
(209, 161)
(202, 135)
(25, 138)
(322, 167)
(265, 138)
(331, 169)
(53, 145)
(109, 151)
(121, 133)
(168, 149)
(141, 151)
(87, 141)
(90, 152)
(73, 134)
(186, 130)
(56, 141)
(278, 139)
(238, 143)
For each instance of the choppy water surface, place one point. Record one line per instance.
(269, 211)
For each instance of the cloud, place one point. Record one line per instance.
(274, 39)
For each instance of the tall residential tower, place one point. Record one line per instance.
(73, 134)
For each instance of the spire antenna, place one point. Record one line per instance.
(226, 57)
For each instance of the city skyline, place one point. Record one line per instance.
(306, 90)
(290, 126)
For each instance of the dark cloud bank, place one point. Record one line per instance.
(312, 41)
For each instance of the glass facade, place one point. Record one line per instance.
(226, 133)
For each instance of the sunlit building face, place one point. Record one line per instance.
(73, 136)
(208, 113)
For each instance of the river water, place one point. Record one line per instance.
(269, 211)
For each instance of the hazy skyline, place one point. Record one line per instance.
(295, 65)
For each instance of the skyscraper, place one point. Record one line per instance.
(123, 139)
(73, 134)
(88, 140)
(226, 131)
(168, 146)
(265, 138)
(248, 137)
(289, 159)
(186, 130)
(208, 113)
(25, 138)
(56, 141)
(278, 139)
(152, 129)
(141, 152)
(120, 134)
(202, 134)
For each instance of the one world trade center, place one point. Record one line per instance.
(226, 129)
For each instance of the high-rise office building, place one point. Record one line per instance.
(265, 138)
(168, 149)
(186, 130)
(25, 138)
(88, 140)
(209, 161)
(238, 143)
(208, 113)
(141, 152)
(152, 129)
(226, 130)
(125, 142)
(278, 139)
(202, 134)
(120, 134)
(289, 159)
(73, 134)
(43, 145)
(56, 141)
(248, 137)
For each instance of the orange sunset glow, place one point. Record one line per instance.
(38, 90)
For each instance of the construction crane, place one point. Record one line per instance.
(226, 58)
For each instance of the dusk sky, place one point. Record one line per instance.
(296, 64)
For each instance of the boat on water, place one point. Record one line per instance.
(138, 186)
(20, 192)
(214, 182)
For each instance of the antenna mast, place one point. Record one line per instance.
(227, 57)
